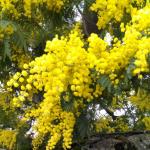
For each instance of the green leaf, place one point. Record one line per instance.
(20, 37)
(104, 81)
(7, 49)
(5, 23)
(130, 69)
(67, 105)
(148, 60)
(83, 126)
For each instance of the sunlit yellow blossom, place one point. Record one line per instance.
(113, 9)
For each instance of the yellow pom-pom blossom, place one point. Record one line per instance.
(10, 6)
(113, 9)
(67, 67)
(134, 45)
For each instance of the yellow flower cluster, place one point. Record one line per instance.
(65, 64)
(134, 45)
(141, 57)
(102, 125)
(141, 100)
(141, 22)
(141, 19)
(50, 5)
(67, 67)
(120, 125)
(51, 72)
(7, 139)
(6, 31)
(11, 6)
(112, 9)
